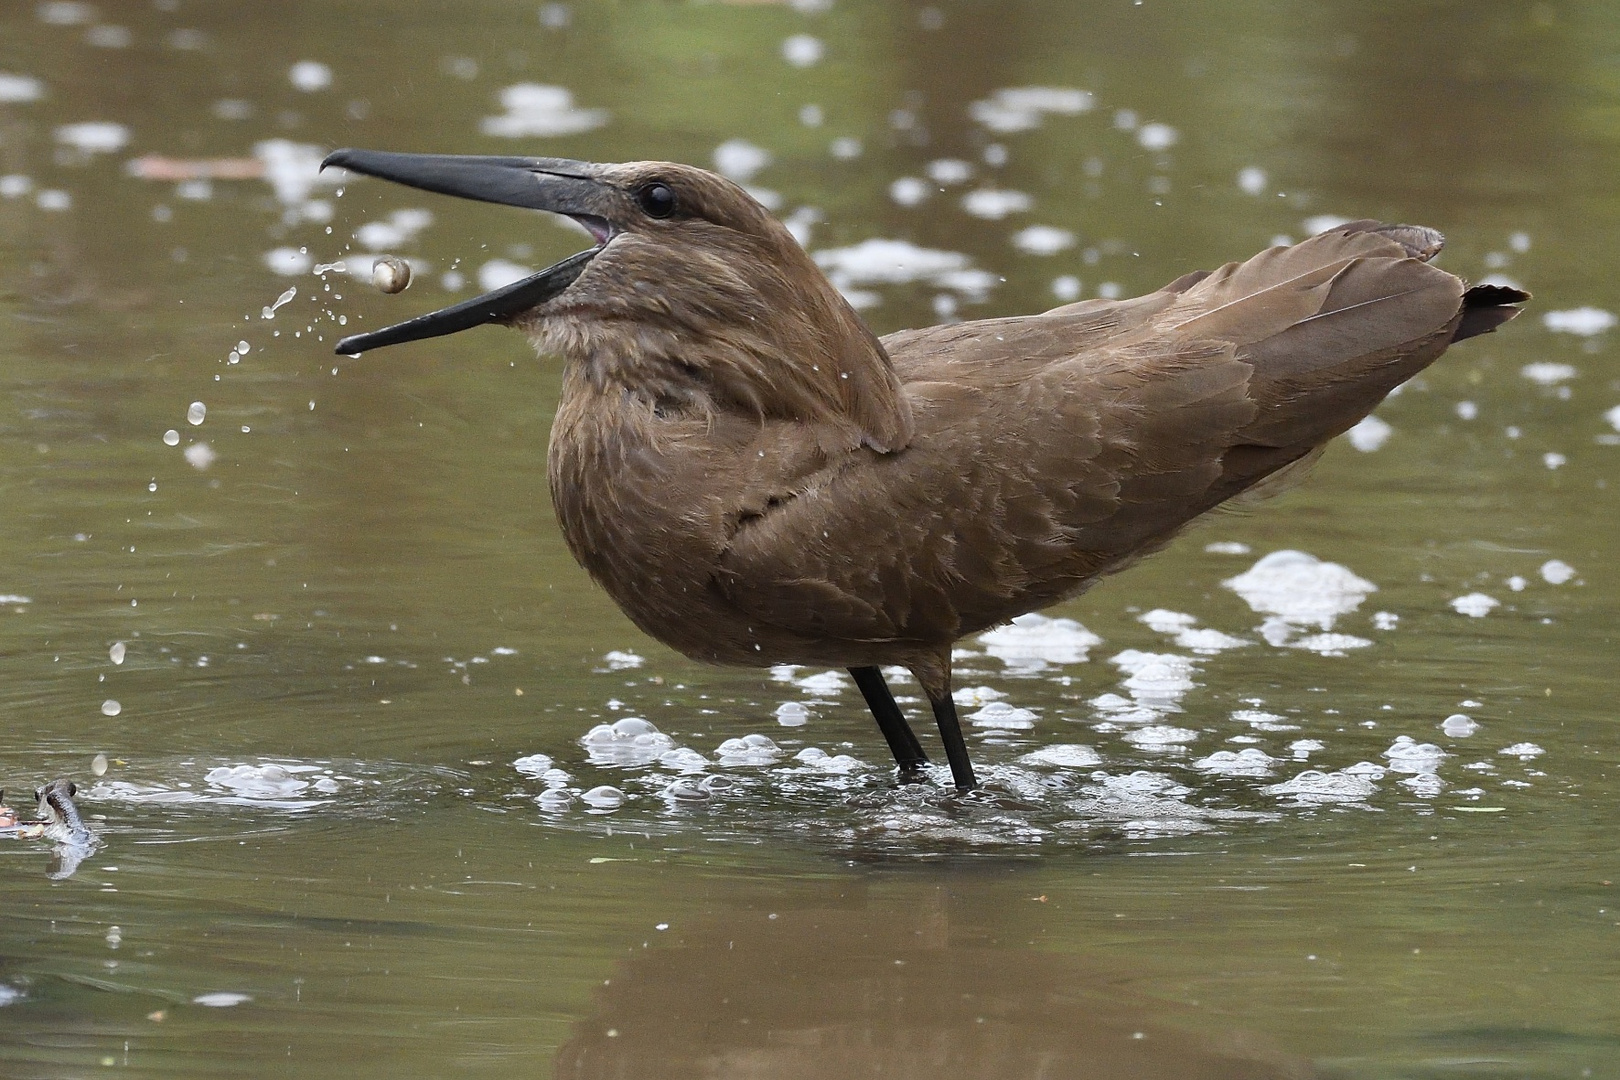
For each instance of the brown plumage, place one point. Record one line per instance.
(756, 479)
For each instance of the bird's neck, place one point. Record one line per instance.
(812, 361)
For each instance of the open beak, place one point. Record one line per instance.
(556, 185)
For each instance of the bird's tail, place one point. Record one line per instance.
(1329, 327)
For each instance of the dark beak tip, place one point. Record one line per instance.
(337, 158)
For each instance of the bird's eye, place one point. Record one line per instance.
(658, 200)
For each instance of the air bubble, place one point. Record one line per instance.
(196, 413)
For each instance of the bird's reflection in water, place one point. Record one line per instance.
(841, 994)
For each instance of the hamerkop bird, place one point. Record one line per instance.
(756, 479)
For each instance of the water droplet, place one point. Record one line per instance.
(243, 347)
(234, 358)
(171, 437)
(116, 653)
(197, 413)
(98, 765)
(111, 708)
(152, 486)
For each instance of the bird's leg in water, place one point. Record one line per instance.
(950, 733)
(908, 753)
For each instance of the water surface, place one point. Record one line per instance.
(1225, 832)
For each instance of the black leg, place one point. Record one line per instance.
(950, 733)
(908, 753)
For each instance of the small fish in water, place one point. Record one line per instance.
(391, 274)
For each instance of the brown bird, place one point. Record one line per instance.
(756, 479)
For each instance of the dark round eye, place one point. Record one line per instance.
(658, 200)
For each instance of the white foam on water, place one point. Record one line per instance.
(1063, 756)
(1032, 643)
(1249, 761)
(1475, 605)
(535, 765)
(603, 797)
(1300, 589)
(910, 190)
(1370, 434)
(1315, 788)
(1042, 240)
(16, 89)
(1227, 547)
(1251, 180)
(309, 76)
(1407, 755)
(973, 696)
(1304, 748)
(1548, 373)
(1157, 680)
(554, 800)
(1157, 736)
(293, 170)
(803, 50)
(1423, 785)
(752, 749)
(993, 204)
(950, 171)
(683, 759)
(288, 261)
(620, 660)
(1584, 321)
(65, 12)
(628, 741)
(792, 714)
(1260, 720)
(1021, 108)
(1459, 725)
(93, 136)
(1183, 628)
(1321, 223)
(823, 683)
(739, 159)
(1524, 751)
(534, 110)
(1156, 136)
(1145, 804)
(1556, 571)
(271, 781)
(1329, 644)
(837, 764)
(888, 262)
(396, 230)
(999, 714)
(199, 455)
(221, 999)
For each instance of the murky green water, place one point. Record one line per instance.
(348, 615)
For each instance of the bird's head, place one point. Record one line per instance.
(693, 293)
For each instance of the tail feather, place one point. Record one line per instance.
(1485, 307)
